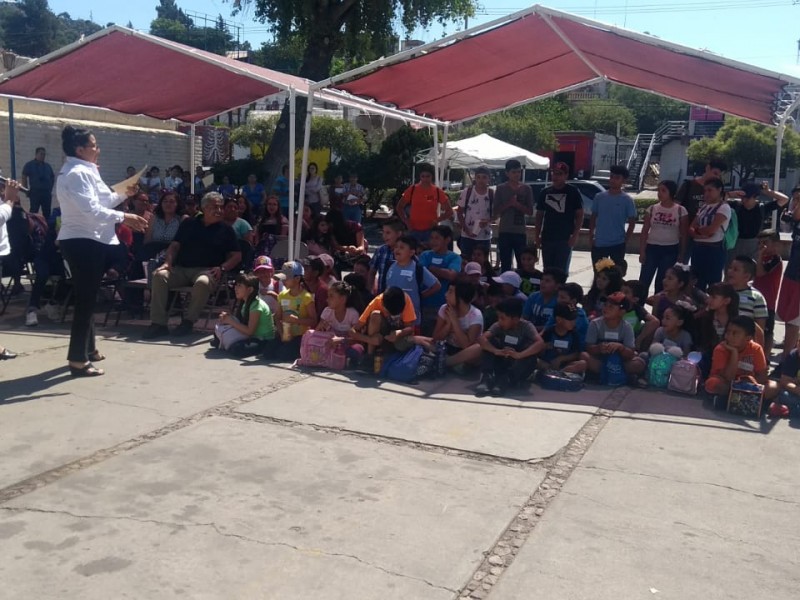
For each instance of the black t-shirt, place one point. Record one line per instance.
(750, 220)
(784, 220)
(559, 207)
(203, 246)
(690, 195)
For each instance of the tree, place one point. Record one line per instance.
(650, 111)
(29, 28)
(172, 23)
(356, 28)
(748, 147)
(602, 116)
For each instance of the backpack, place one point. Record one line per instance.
(561, 381)
(469, 195)
(402, 366)
(732, 232)
(684, 378)
(418, 273)
(659, 369)
(316, 350)
(613, 373)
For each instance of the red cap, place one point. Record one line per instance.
(560, 166)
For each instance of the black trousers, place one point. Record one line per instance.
(87, 261)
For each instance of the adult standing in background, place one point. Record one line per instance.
(663, 237)
(38, 177)
(423, 200)
(611, 211)
(352, 198)
(6, 205)
(692, 191)
(750, 221)
(88, 221)
(559, 218)
(708, 232)
(255, 193)
(280, 188)
(513, 201)
(777, 209)
(313, 188)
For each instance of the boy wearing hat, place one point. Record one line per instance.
(559, 217)
(510, 283)
(268, 285)
(611, 334)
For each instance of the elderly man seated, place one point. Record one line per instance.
(203, 250)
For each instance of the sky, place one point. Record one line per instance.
(760, 32)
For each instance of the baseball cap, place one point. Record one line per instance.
(262, 263)
(290, 270)
(510, 278)
(472, 268)
(560, 166)
(751, 190)
(618, 299)
(326, 259)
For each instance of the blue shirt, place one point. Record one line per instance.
(581, 325)
(449, 260)
(612, 212)
(405, 277)
(537, 311)
(281, 189)
(383, 257)
(254, 196)
(562, 345)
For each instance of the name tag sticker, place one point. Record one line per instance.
(512, 340)
(548, 311)
(745, 366)
(561, 344)
(536, 281)
(437, 261)
(285, 303)
(408, 274)
(612, 336)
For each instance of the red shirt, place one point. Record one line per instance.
(769, 283)
(424, 203)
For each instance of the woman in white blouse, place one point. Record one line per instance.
(7, 203)
(313, 188)
(708, 231)
(88, 222)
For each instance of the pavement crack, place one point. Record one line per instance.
(686, 482)
(216, 529)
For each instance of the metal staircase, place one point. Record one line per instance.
(647, 150)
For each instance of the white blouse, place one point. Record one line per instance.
(5, 215)
(86, 203)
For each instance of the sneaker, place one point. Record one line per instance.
(155, 331)
(214, 342)
(778, 411)
(185, 328)
(485, 387)
(31, 319)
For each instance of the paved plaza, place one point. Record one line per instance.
(184, 475)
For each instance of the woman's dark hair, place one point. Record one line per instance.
(323, 239)
(73, 138)
(359, 294)
(242, 311)
(308, 168)
(715, 182)
(707, 337)
(278, 213)
(247, 215)
(465, 291)
(726, 290)
(614, 285)
(511, 307)
(671, 186)
(343, 235)
(179, 203)
(573, 290)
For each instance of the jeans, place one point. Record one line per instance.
(87, 261)
(517, 371)
(467, 245)
(708, 261)
(615, 253)
(508, 244)
(41, 199)
(556, 253)
(657, 259)
(352, 213)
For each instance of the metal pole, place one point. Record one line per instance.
(292, 143)
(11, 139)
(443, 163)
(306, 144)
(192, 165)
(436, 154)
(779, 148)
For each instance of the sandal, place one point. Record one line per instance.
(86, 371)
(96, 356)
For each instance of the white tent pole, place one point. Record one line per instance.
(779, 148)
(292, 144)
(443, 162)
(436, 154)
(306, 144)
(192, 166)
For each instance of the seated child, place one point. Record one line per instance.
(445, 265)
(739, 358)
(539, 306)
(509, 350)
(459, 324)
(721, 307)
(610, 334)
(790, 377)
(572, 293)
(268, 286)
(361, 266)
(607, 280)
(387, 324)
(740, 272)
(674, 330)
(250, 329)
(339, 316)
(359, 296)
(510, 282)
(769, 268)
(562, 344)
(530, 275)
(480, 255)
(673, 289)
(296, 311)
(644, 324)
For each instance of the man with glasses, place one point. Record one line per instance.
(424, 200)
(559, 217)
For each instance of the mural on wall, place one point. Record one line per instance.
(216, 143)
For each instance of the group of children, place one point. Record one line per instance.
(509, 326)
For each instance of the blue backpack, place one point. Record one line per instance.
(402, 366)
(613, 373)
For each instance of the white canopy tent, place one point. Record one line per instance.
(482, 149)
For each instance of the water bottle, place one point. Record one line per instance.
(377, 364)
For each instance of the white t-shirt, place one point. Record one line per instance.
(473, 317)
(478, 210)
(706, 216)
(665, 224)
(340, 327)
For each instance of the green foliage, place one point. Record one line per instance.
(748, 147)
(651, 111)
(30, 28)
(256, 132)
(171, 23)
(602, 116)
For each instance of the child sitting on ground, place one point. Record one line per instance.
(480, 255)
(530, 275)
(740, 272)
(250, 329)
(675, 328)
(387, 324)
(644, 324)
(673, 289)
(384, 255)
(722, 306)
(339, 316)
(445, 266)
(410, 276)
(268, 286)
(359, 296)
(459, 324)
(540, 305)
(610, 334)
(509, 282)
(769, 268)
(509, 350)
(572, 293)
(607, 280)
(739, 358)
(296, 311)
(790, 377)
(562, 350)
(361, 266)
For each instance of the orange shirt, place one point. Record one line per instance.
(409, 317)
(751, 360)
(424, 202)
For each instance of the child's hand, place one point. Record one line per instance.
(291, 319)
(224, 317)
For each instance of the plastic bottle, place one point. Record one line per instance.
(377, 364)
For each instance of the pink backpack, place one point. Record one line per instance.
(317, 350)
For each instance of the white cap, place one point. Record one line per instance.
(509, 277)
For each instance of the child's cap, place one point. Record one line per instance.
(472, 268)
(619, 299)
(565, 311)
(291, 270)
(262, 263)
(326, 259)
(561, 167)
(510, 278)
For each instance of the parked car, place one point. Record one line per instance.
(587, 188)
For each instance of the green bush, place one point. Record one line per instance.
(642, 204)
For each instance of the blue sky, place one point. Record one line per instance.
(760, 32)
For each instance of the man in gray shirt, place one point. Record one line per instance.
(513, 201)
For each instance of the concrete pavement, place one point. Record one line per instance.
(182, 475)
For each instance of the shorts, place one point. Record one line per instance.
(789, 302)
(400, 345)
(423, 237)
